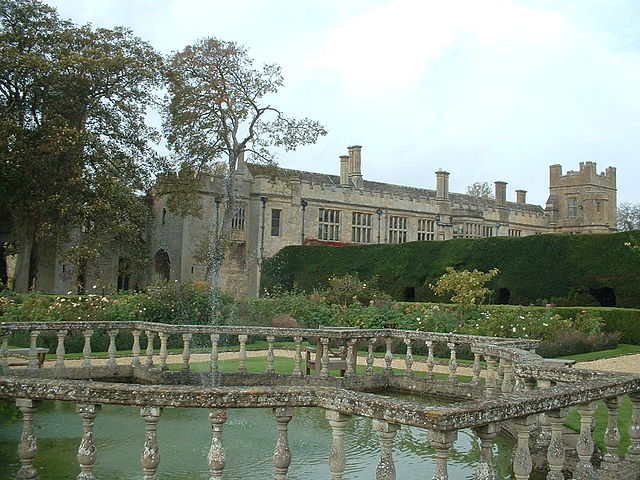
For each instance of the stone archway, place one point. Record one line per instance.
(162, 265)
(502, 296)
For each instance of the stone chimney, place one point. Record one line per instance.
(501, 193)
(344, 169)
(355, 167)
(442, 185)
(521, 197)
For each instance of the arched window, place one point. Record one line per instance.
(162, 265)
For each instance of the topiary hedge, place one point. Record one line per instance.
(561, 269)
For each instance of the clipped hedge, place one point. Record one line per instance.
(539, 269)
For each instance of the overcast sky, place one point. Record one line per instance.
(487, 90)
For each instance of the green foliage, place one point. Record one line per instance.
(468, 288)
(533, 269)
(348, 289)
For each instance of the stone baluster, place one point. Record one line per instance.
(500, 372)
(242, 354)
(111, 363)
(388, 357)
(217, 457)
(87, 449)
(60, 349)
(164, 352)
(27, 448)
(490, 384)
(5, 353)
(135, 349)
(86, 349)
(324, 358)
(545, 424)
(297, 367)
(351, 360)
(386, 431)
(370, 343)
(33, 353)
(150, 336)
(408, 361)
(507, 376)
(282, 453)
(522, 464)
(585, 444)
(186, 352)
(270, 355)
(487, 434)
(453, 363)
(150, 457)
(337, 458)
(611, 460)
(477, 369)
(555, 453)
(442, 442)
(633, 452)
(215, 338)
(431, 362)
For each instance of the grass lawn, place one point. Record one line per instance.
(623, 349)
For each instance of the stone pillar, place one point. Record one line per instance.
(86, 349)
(585, 444)
(431, 362)
(453, 363)
(270, 354)
(545, 424)
(555, 454)
(633, 453)
(491, 385)
(344, 170)
(164, 353)
(297, 368)
(486, 434)
(112, 351)
(324, 358)
(186, 352)
(351, 360)
(337, 459)
(150, 457)
(522, 464)
(501, 193)
(507, 376)
(442, 185)
(477, 369)
(60, 350)
(5, 353)
(242, 354)
(441, 442)
(33, 353)
(87, 449)
(27, 448)
(386, 432)
(135, 349)
(370, 343)
(215, 338)
(217, 457)
(282, 453)
(150, 335)
(388, 357)
(408, 360)
(611, 460)
(521, 197)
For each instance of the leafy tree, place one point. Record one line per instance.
(74, 145)
(218, 111)
(628, 216)
(481, 190)
(468, 288)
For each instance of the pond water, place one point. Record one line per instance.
(249, 438)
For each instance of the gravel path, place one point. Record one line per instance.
(622, 363)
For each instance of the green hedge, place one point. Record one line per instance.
(539, 269)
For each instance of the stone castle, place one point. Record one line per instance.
(281, 207)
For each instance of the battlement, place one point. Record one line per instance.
(586, 175)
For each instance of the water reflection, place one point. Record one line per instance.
(249, 437)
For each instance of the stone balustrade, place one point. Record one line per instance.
(505, 387)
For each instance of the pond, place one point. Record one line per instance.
(249, 438)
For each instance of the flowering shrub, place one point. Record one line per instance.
(467, 287)
(348, 289)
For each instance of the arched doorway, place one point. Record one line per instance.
(162, 265)
(502, 296)
(605, 296)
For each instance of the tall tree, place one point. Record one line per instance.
(217, 112)
(480, 190)
(73, 139)
(628, 216)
